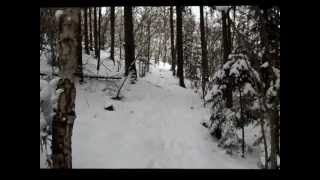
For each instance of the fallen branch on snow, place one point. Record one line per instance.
(87, 76)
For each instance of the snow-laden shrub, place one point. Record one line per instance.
(223, 123)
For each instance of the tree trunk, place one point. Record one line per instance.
(52, 49)
(149, 43)
(112, 33)
(159, 49)
(64, 117)
(173, 53)
(129, 43)
(179, 46)
(206, 27)
(79, 55)
(229, 37)
(165, 35)
(278, 133)
(86, 42)
(267, 77)
(273, 154)
(120, 42)
(95, 29)
(242, 125)
(98, 40)
(204, 61)
(226, 51)
(103, 31)
(90, 29)
(265, 145)
(99, 31)
(225, 36)
(270, 77)
(243, 141)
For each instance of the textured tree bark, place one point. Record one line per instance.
(79, 55)
(112, 16)
(103, 30)
(226, 51)
(273, 155)
(204, 61)
(149, 43)
(165, 35)
(229, 33)
(265, 145)
(98, 39)
(206, 29)
(277, 131)
(159, 49)
(242, 126)
(86, 41)
(179, 46)
(90, 29)
(173, 53)
(64, 117)
(95, 29)
(129, 43)
(273, 113)
(268, 76)
(120, 41)
(52, 48)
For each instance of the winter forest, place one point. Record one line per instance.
(183, 87)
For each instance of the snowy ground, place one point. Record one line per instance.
(155, 125)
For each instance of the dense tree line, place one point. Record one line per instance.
(230, 54)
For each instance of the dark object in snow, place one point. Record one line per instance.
(205, 124)
(109, 108)
(191, 107)
(117, 98)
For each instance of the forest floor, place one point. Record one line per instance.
(157, 124)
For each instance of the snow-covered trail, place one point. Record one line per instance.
(156, 125)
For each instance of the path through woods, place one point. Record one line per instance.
(155, 125)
